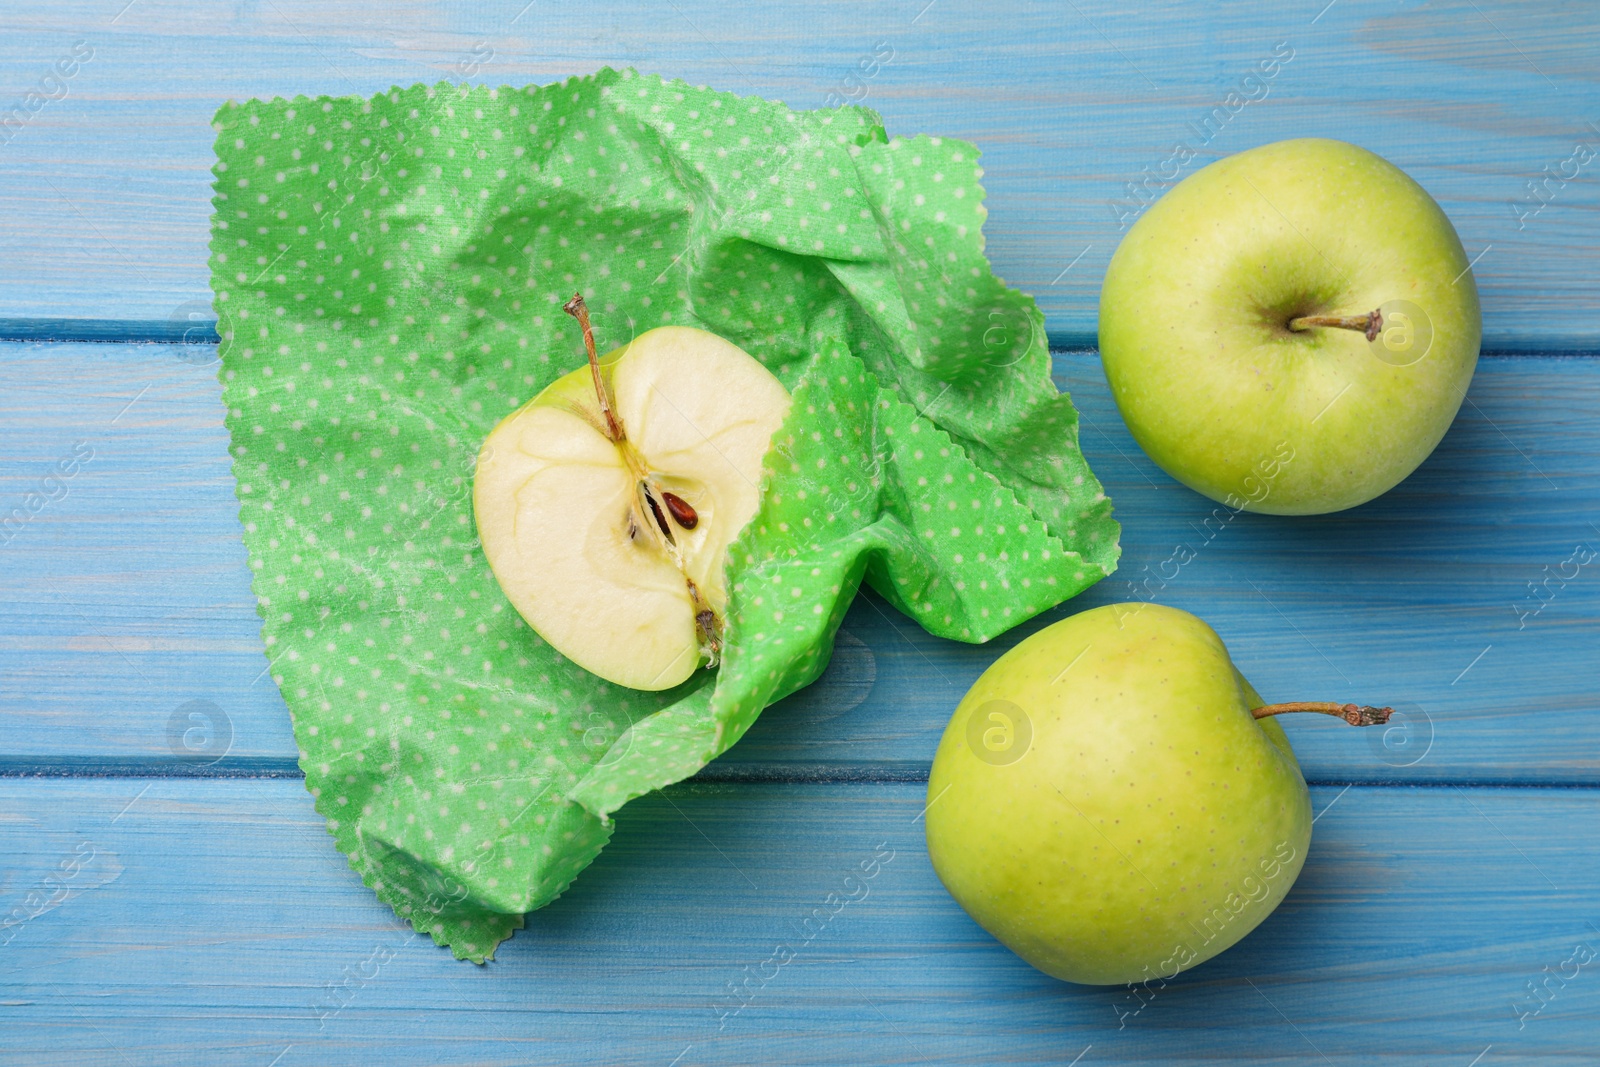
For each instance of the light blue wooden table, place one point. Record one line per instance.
(207, 917)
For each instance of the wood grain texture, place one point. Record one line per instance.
(210, 920)
(106, 191)
(130, 596)
(1420, 918)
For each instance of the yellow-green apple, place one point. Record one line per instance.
(1113, 802)
(1291, 329)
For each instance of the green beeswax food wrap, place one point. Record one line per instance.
(389, 275)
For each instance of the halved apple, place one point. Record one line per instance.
(606, 504)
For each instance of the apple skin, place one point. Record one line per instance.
(1150, 823)
(1211, 382)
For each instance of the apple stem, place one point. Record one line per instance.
(1354, 714)
(580, 311)
(1369, 324)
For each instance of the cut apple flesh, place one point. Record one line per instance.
(613, 549)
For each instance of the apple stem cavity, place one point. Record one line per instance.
(1370, 324)
(580, 311)
(1354, 714)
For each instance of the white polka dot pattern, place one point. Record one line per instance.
(389, 274)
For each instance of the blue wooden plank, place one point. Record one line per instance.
(129, 597)
(106, 191)
(121, 604)
(213, 923)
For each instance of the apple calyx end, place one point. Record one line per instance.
(1354, 714)
(707, 625)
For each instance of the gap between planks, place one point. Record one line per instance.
(204, 331)
(895, 773)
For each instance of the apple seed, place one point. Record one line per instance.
(680, 510)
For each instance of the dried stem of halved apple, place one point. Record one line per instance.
(655, 509)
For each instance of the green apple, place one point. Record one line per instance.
(1291, 329)
(606, 504)
(1112, 801)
